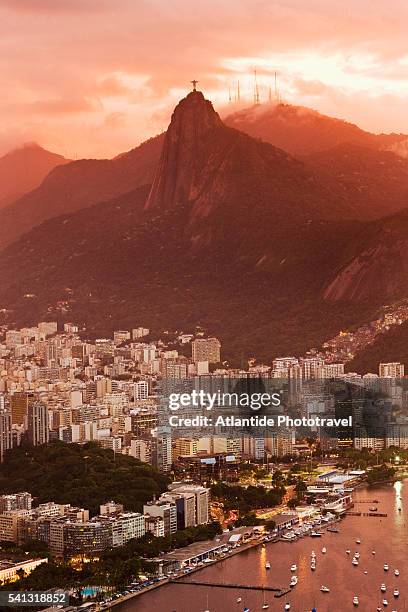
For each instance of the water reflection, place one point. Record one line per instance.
(388, 536)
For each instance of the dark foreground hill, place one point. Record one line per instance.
(80, 475)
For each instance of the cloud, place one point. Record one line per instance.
(69, 67)
(52, 6)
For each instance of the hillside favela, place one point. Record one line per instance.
(203, 306)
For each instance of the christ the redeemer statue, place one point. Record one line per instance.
(194, 82)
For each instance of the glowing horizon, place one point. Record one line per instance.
(85, 78)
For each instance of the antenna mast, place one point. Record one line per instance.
(256, 90)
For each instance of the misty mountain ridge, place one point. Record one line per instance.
(23, 169)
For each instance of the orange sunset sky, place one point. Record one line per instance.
(93, 78)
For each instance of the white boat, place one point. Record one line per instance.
(293, 567)
(396, 572)
(239, 599)
(355, 601)
(293, 581)
(324, 550)
(287, 606)
(357, 555)
(373, 552)
(365, 571)
(355, 561)
(386, 567)
(313, 554)
(267, 565)
(324, 589)
(348, 552)
(246, 609)
(316, 534)
(384, 603)
(313, 567)
(265, 605)
(358, 541)
(396, 593)
(383, 588)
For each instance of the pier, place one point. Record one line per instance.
(226, 585)
(375, 514)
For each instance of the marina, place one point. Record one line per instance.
(333, 570)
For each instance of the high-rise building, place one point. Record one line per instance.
(253, 447)
(161, 457)
(185, 506)
(140, 449)
(48, 327)
(16, 501)
(139, 332)
(141, 390)
(19, 406)
(13, 338)
(391, 370)
(155, 525)
(185, 447)
(166, 510)
(86, 539)
(121, 336)
(206, 349)
(6, 435)
(126, 526)
(201, 496)
(37, 424)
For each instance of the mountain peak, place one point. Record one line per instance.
(194, 112)
(193, 119)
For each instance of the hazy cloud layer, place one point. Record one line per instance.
(96, 77)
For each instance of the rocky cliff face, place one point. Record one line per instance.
(180, 176)
(375, 265)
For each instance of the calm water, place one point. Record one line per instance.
(388, 536)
